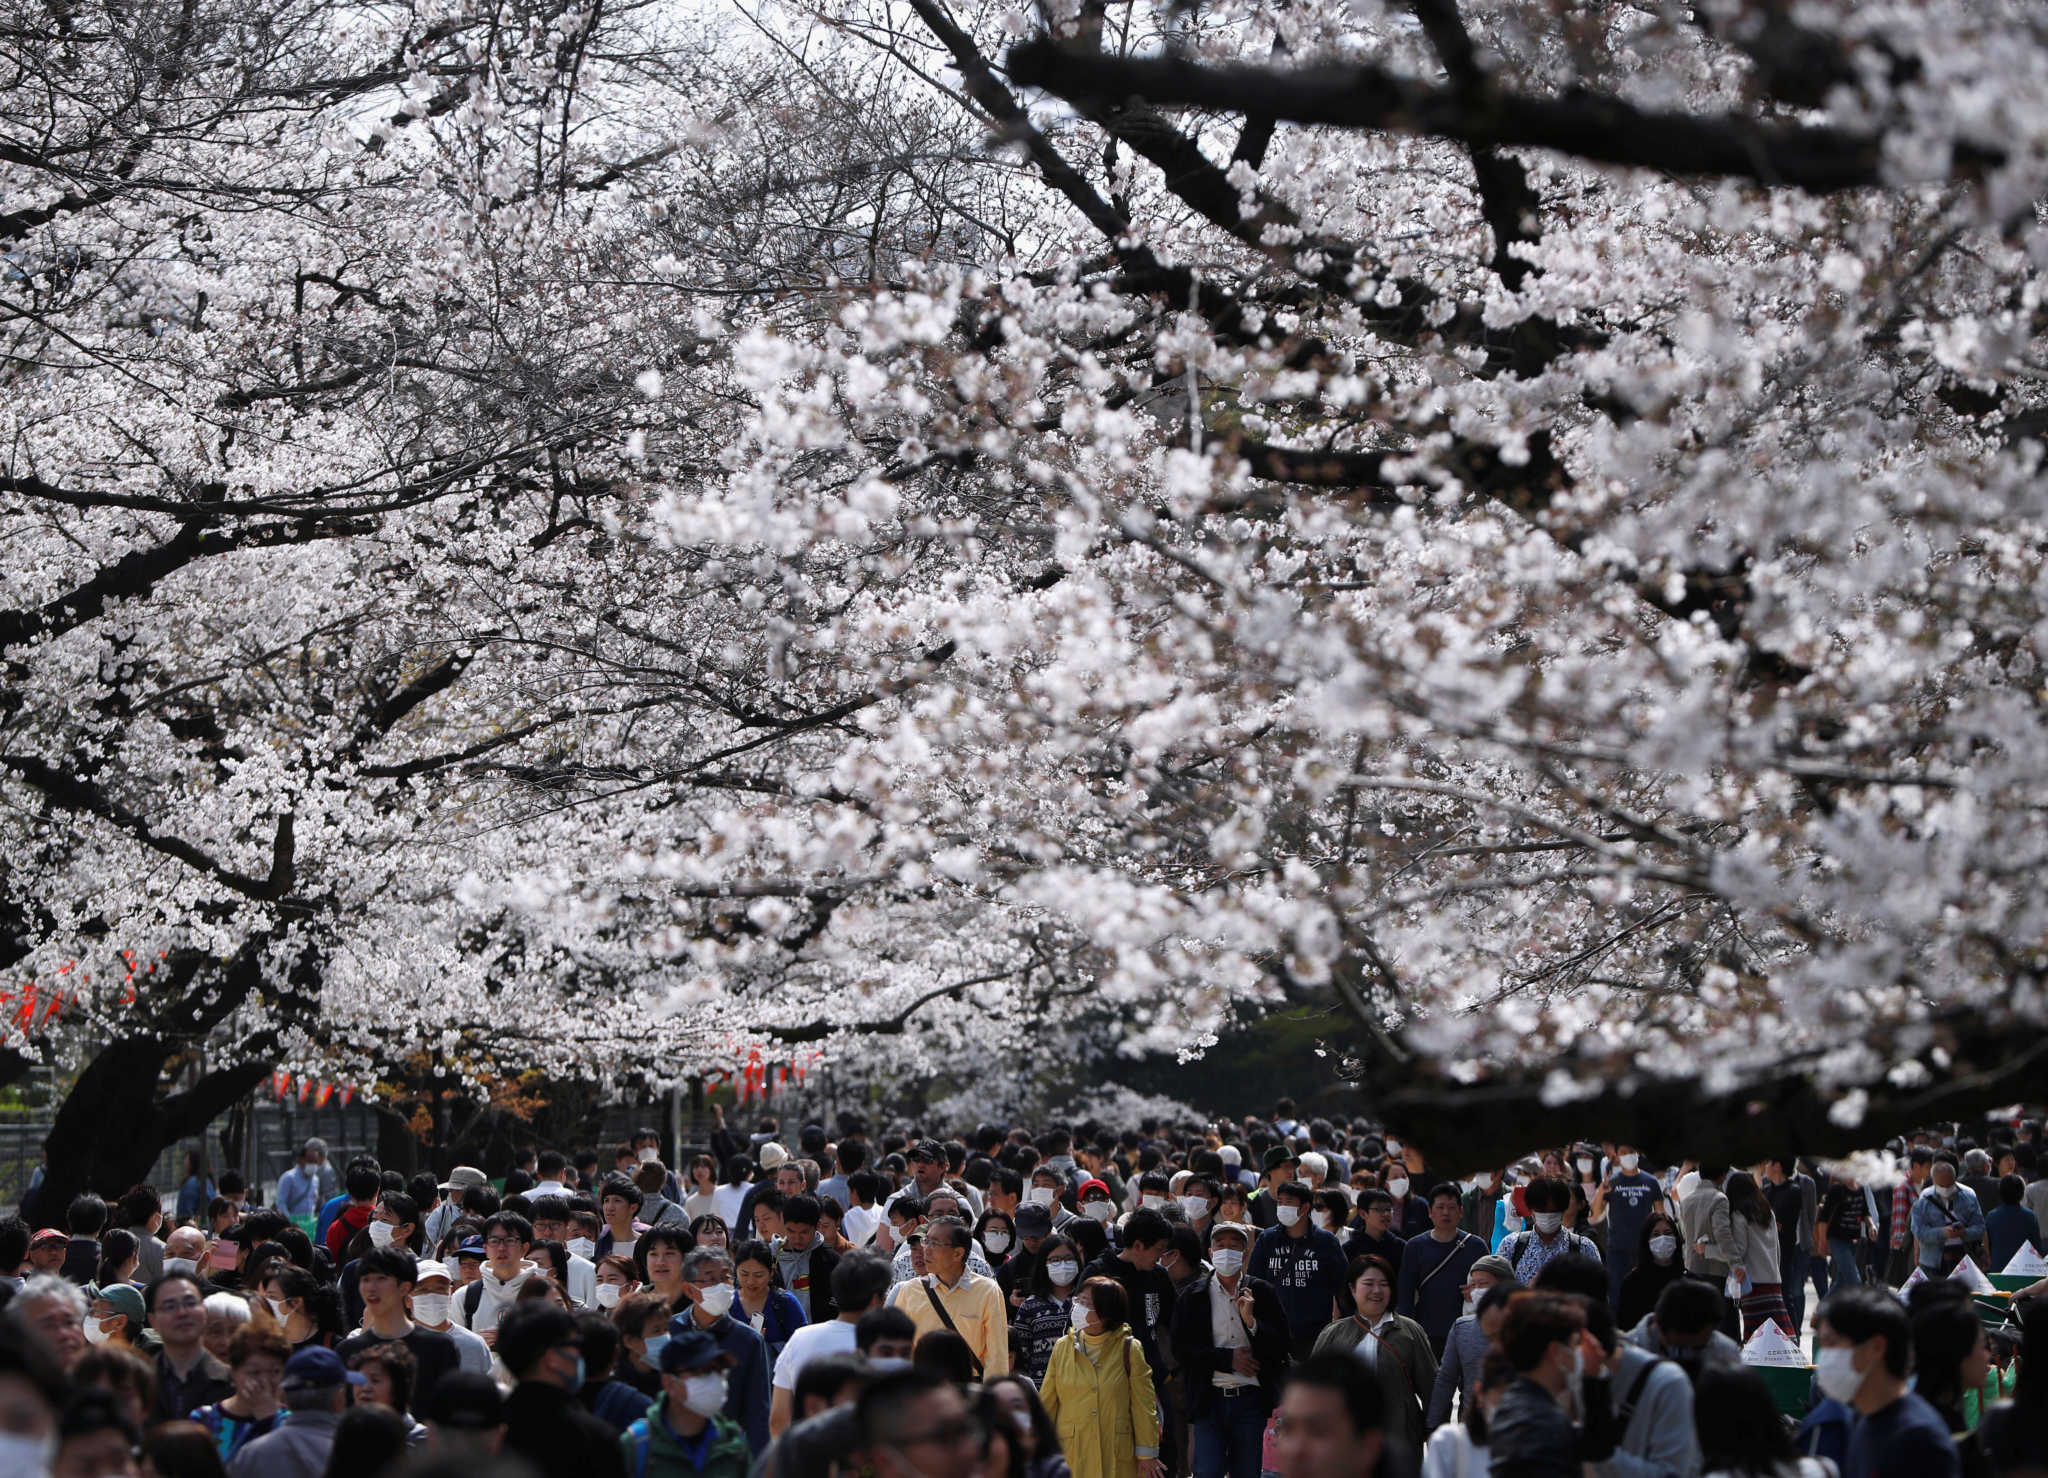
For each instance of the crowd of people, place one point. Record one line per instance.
(1271, 1299)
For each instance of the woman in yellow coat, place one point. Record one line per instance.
(1098, 1390)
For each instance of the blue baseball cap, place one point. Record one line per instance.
(317, 1368)
(693, 1349)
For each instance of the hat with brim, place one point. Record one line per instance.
(47, 1236)
(1033, 1220)
(693, 1349)
(1277, 1156)
(465, 1177)
(122, 1298)
(319, 1369)
(1500, 1267)
(772, 1156)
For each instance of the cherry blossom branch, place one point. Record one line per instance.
(1591, 126)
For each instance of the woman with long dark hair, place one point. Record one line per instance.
(1951, 1357)
(1754, 1261)
(1659, 1263)
(1741, 1433)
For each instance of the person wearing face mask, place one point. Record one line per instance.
(433, 1310)
(1042, 1318)
(395, 1222)
(115, 1316)
(1558, 1363)
(1865, 1343)
(1946, 1219)
(1529, 1250)
(1411, 1211)
(1625, 1200)
(1307, 1266)
(388, 1278)
(686, 1434)
(1485, 1299)
(1033, 1226)
(1099, 1390)
(996, 1235)
(545, 1423)
(1656, 1267)
(708, 1282)
(1230, 1341)
(1093, 1197)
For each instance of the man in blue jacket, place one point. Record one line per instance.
(1945, 1219)
(747, 1391)
(1305, 1265)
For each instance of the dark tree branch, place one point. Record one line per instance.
(1591, 126)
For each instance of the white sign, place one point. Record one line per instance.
(1770, 1345)
(2027, 1262)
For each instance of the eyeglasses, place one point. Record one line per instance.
(501, 1241)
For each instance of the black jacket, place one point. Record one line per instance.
(1199, 1356)
(1529, 1436)
(548, 1427)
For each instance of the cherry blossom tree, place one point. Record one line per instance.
(603, 537)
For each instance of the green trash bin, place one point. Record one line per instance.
(2012, 1282)
(1790, 1386)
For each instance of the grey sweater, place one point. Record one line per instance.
(1659, 1440)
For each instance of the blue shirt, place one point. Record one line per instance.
(1429, 1292)
(2005, 1229)
(1907, 1439)
(1307, 1271)
(1630, 1199)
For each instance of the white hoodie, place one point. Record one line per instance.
(497, 1297)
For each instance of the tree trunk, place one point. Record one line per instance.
(113, 1124)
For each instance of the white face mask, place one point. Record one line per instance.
(582, 1247)
(26, 1455)
(996, 1241)
(1078, 1313)
(1098, 1211)
(1041, 1195)
(1397, 1188)
(1289, 1215)
(1663, 1248)
(1471, 1303)
(1227, 1261)
(1585, 1167)
(1946, 1192)
(381, 1233)
(705, 1394)
(278, 1311)
(1151, 1202)
(1062, 1274)
(717, 1298)
(1393, 1146)
(1629, 1163)
(1321, 1219)
(95, 1331)
(608, 1295)
(1834, 1370)
(1196, 1207)
(180, 1265)
(646, 1153)
(431, 1308)
(1547, 1222)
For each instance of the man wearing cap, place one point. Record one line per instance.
(387, 1277)
(187, 1377)
(1230, 1339)
(432, 1307)
(449, 1210)
(1280, 1165)
(466, 1416)
(927, 1161)
(1466, 1345)
(302, 1189)
(117, 1301)
(46, 1251)
(1034, 1225)
(315, 1393)
(545, 1421)
(685, 1433)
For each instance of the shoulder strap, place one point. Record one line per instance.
(932, 1297)
(643, 1444)
(1635, 1391)
(1463, 1237)
(472, 1298)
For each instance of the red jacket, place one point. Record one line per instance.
(353, 1219)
